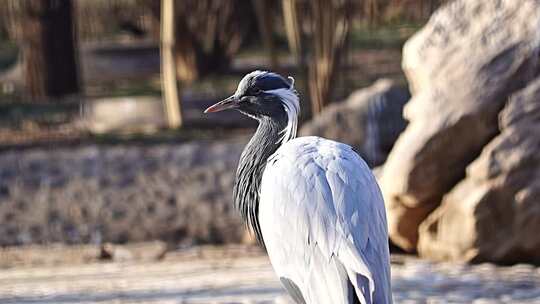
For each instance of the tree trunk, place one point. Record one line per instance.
(207, 33)
(330, 24)
(265, 19)
(168, 73)
(49, 45)
(187, 53)
(293, 13)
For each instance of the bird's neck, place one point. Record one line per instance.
(266, 140)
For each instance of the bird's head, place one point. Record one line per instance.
(262, 94)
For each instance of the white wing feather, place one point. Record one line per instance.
(323, 222)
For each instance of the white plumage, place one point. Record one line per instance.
(313, 202)
(323, 222)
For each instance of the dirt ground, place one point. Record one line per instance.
(137, 275)
(233, 274)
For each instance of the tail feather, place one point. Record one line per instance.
(353, 298)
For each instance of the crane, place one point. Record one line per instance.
(313, 203)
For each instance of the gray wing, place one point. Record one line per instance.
(323, 222)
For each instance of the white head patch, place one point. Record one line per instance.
(288, 97)
(292, 108)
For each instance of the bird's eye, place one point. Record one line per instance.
(244, 99)
(256, 91)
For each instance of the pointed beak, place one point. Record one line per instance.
(228, 103)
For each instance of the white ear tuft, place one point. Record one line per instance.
(290, 101)
(292, 82)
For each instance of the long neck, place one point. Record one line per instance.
(262, 145)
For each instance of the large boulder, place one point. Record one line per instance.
(370, 120)
(462, 67)
(494, 213)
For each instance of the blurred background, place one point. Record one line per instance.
(114, 187)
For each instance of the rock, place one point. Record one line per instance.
(462, 67)
(142, 113)
(106, 252)
(370, 120)
(145, 114)
(494, 213)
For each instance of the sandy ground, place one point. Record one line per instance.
(239, 275)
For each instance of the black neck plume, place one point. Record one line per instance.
(262, 145)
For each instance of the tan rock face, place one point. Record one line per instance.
(469, 36)
(494, 213)
(462, 67)
(370, 120)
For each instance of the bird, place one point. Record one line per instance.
(311, 202)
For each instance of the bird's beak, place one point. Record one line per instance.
(228, 103)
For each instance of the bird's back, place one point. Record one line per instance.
(324, 225)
